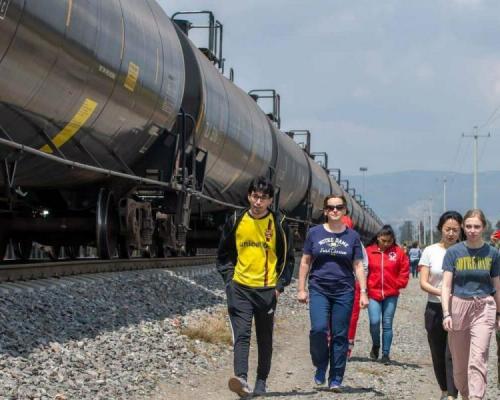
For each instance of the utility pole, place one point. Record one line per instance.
(444, 194)
(431, 228)
(476, 137)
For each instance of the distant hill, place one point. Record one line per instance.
(400, 196)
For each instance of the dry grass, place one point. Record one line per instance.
(369, 371)
(211, 329)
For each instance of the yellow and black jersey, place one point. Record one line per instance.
(256, 262)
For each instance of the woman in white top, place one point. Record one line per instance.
(431, 276)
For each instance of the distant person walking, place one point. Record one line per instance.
(431, 277)
(388, 273)
(353, 324)
(471, 305)
(256, 260)
(414, 255)
(332, 256)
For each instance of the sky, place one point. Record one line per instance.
(389, 85)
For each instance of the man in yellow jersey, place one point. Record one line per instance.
(256, 261)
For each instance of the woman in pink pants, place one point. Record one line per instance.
(471, 305)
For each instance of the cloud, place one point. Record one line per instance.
(424, 73)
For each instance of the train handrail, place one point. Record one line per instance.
(108, 172)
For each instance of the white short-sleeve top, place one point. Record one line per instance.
(432, 257)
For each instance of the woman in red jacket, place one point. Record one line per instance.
(388, 273)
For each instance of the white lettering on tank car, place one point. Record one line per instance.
(4, 5)
(110, 74)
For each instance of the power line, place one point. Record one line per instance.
(490, 118)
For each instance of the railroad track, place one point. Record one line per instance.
(41, 270)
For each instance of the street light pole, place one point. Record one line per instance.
(476, 137)
(444, 194)
(430, 222)
(363, 170)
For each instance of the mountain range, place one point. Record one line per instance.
(410, 195)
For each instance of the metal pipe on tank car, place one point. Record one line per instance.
(107, 172)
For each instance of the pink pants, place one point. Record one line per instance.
(473, 324)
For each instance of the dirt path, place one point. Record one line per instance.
(410, 376)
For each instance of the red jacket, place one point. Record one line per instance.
(388, 271)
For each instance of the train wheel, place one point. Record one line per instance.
(164, 251)
(22, 248)
(107, 225)
(72, 251)
(126, 249)
(53, 252)
(151, 251)
(3, 247)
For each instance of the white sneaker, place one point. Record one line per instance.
(239, 386)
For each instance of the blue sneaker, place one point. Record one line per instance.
(335, 386)
(320, 377)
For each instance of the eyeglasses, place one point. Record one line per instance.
(339, 207)
(256, 197)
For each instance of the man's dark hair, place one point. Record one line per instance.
(261, 184)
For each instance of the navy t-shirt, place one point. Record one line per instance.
(472, 269)
(332, 257)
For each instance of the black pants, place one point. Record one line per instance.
(438, 343)
(244, 304)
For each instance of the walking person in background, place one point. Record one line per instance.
(414, 255)
(388, 273)
(256, 260)
(353, 324)
(332, 256)
(431, 277)
(470, 298)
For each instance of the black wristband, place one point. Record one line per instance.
(446, 316)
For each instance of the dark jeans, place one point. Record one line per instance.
(414, 268)
(440, 352)
(245, 304)
(330, 312)
(382, 311)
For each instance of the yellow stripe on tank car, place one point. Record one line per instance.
(79, 119)
(132, 76)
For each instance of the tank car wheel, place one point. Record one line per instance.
(165, 252)
(151, 251)
(72, 251)
(107, 225)
(126, 250)
(22, 248)
(53, 252)
(3, 247)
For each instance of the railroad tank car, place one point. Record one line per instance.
(94, 81)
(116, 131)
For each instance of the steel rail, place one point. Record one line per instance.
(33, 271)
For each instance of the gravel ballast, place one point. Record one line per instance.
(118, 336)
